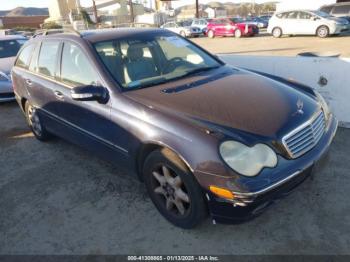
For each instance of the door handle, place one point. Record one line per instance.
(59, 95)
(29, 82)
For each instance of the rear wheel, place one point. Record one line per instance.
(35, 123)
(211, 34)
(277, 32)
(238, 33)
(323, 31)
(173, 189)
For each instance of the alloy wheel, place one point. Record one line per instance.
(34, 121)
(171, 191)
(322, 31)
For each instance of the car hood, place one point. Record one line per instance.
(6, 64)
(338, 20)
(232, 100)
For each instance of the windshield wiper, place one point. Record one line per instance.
(166, 80)
(199, 70)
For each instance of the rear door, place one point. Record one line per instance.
(290, 23)
(42, 81)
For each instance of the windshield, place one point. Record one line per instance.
(236, 20)
(184, 23)
(139, 62)
(321, 14)
(10, 48)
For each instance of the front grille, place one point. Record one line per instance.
(305, 137)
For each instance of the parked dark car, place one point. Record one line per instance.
(202, 135)
(257, 21)
(230, 27)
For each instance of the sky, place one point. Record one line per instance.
(6, 5)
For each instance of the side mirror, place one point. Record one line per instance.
(90, 93)
(314, 18)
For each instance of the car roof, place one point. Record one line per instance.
(101, 35)
(12, 37)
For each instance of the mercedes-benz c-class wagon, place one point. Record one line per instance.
(205, 137)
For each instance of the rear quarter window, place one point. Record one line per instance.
(23, 59)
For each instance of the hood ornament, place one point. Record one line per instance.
(300, 107)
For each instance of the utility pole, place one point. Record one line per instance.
(95, 11)
(131, 11)
(197, 9)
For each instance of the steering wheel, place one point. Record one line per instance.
(173, 63)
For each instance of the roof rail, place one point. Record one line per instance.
(64, 30)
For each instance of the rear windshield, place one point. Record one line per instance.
(10, 48)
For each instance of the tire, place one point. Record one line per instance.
(183, 34)
(211, 34)
(35, 123)
(277, 32)
(168, 182)
(322, 31)
(238, 33)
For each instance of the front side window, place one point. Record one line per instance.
(24, 57)
(76, 69)
(145, 61)
(327, 9)
(48, 58)
(10, 48)
(304, 15)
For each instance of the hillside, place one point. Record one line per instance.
(236, 9)
(25, 11)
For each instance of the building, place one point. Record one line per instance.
(10, 22)
(113, 12)
(60, 10)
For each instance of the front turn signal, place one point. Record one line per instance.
(221, 192)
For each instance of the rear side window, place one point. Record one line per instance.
(23, 59)
(341, 9)
(48, 58)
(76, 69)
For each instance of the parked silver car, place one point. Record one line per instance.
(304, 22)
(185, 29)
(9, 47)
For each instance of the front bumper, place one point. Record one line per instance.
(6, 91)
(247, 205)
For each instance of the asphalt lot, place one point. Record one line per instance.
(265, 44)
(56, 198)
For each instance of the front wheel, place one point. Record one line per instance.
(323, 31)
(173, 189)
(35, 123)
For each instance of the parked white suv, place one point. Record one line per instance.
(302, 22)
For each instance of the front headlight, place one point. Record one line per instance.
(247, 161)
(323, 105)
(4, 77)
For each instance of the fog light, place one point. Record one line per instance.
(221, 192)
